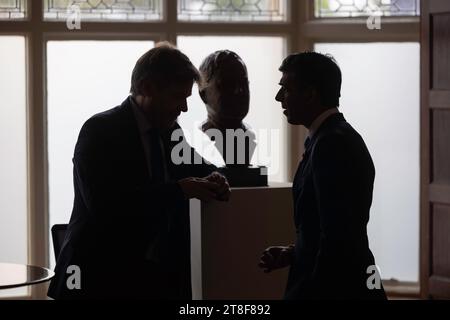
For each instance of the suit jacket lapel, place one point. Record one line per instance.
(306, 158)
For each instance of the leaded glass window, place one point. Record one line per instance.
(101, 10)
(232, 10)
(12, 9)
(355, 8)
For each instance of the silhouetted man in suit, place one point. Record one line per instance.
(332, 190)
(129, 229)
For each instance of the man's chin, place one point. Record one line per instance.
(167, 125)
(292, 121)
(172, 124)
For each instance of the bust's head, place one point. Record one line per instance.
(225, 89)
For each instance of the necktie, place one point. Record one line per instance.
(156, 157)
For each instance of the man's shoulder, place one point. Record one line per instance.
(340, 142)
(106, 125)
(339, 135)
(107, 118)
(338, 131)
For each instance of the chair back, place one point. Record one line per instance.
(58, 234)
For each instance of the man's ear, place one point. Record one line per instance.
(315, 96)
(311, 94)
(202, 93)
(147, 89)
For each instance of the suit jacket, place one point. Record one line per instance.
(332, 192)
(119, 214)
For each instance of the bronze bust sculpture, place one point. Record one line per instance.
(225, 92)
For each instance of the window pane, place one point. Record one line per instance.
(265, 116)
(232, 10)
(13, 171)
(355, 8)
(380, 98)
(96, 77)
(13, 9)
(101, 10)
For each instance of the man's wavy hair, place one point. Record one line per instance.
(214, 62)
(164, 65)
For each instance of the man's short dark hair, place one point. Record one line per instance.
(214, 62)
(318, 71)
(163, 65)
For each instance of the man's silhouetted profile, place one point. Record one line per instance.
(332, 190)
(129, 229)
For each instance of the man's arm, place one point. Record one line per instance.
(197, 166)
(339, 186)
(102, 194)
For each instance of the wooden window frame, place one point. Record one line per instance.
(301, 31)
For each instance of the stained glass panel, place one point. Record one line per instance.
(356, 8)
(101, 10)
(232, 10)
(13, 9)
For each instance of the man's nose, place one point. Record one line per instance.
(240, 89)
(279, 97)
(184, 107)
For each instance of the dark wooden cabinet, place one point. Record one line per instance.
(435, 150)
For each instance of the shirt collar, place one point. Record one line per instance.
(320, 119)
(142, 122)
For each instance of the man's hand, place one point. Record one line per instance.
(212, 187)
(199, 188)
(223, 192)
(276, 257)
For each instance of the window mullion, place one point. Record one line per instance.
(171, 19)
(357, 31)
(37, 156)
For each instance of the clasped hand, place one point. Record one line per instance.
(212, 187)
(274, 258)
